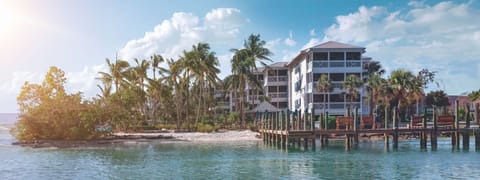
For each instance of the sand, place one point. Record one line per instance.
(244, 135)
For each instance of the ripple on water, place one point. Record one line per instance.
(238, 160)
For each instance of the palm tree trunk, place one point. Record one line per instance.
(242, 110)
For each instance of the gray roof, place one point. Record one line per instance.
(336, 45)
(278, 64)
(265, 106)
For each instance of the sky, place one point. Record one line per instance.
(78, 36)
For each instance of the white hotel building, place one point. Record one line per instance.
(337, 60)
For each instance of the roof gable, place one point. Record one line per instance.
(336, 45)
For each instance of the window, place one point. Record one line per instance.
(322, 56)
(282, 72)
(337, 56)
(356, 98)
(271, 73)
(298, 85)
(297, 69)
(309, 77)
(272, 89)
(260, 77)
(337, 77)
(318, 97)
(282, 88)
(282, 105)
(353, 56)
(336, 98)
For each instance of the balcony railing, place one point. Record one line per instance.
(353, 64)
(320, 64)
(277, 78)
(278, 95)
(337, 64)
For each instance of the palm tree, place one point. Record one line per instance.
(374, 85)
(116, 72)
(351, 84)
(155, 60)
(402, 83)
(173, 78)
(206, 74)
(244, 62)
(373, 68)
(324, 85)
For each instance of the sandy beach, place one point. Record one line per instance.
(244, 135)
(121, 139)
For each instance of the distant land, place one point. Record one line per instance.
(8, 117)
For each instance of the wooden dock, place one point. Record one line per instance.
(286, 129)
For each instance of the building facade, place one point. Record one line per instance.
(337, 61)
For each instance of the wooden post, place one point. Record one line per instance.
(455, 137)
(347, 142)
(295, 120)
(355, 117)
(467, 117)
(423, 134)
(477, 140)
(395, 128)
(312, 120)
(385, 135)
(305, 117)
(466, 140)
(433, 135)
(325, 138)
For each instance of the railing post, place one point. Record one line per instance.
(355, 117)
(395, 127)
(326, 120)
(433, 135)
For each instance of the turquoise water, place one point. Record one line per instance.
(239, 160)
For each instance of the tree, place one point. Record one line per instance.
(155, 61)
(173, 79)
(115, 74)
(375, 83)
(324, 85)
(48, 112)
(401, 82)
(438, 99)
(244, 62)
(474, 96)
(351, 84)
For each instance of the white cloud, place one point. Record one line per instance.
(84, 80)
(312, 32)
(13, 85)
(441, 37)
(172, 36)
(311, 42)
(290, 41)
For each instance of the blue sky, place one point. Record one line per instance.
(77, 36)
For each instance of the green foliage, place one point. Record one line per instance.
(437, 98)
(207, 127)
(47, 112)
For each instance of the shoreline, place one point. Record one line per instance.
(128, 139)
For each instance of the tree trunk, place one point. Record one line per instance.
(242, 110)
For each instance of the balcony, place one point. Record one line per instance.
(335, 64)
(278, 95)
(321, 64)
(278, 79)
